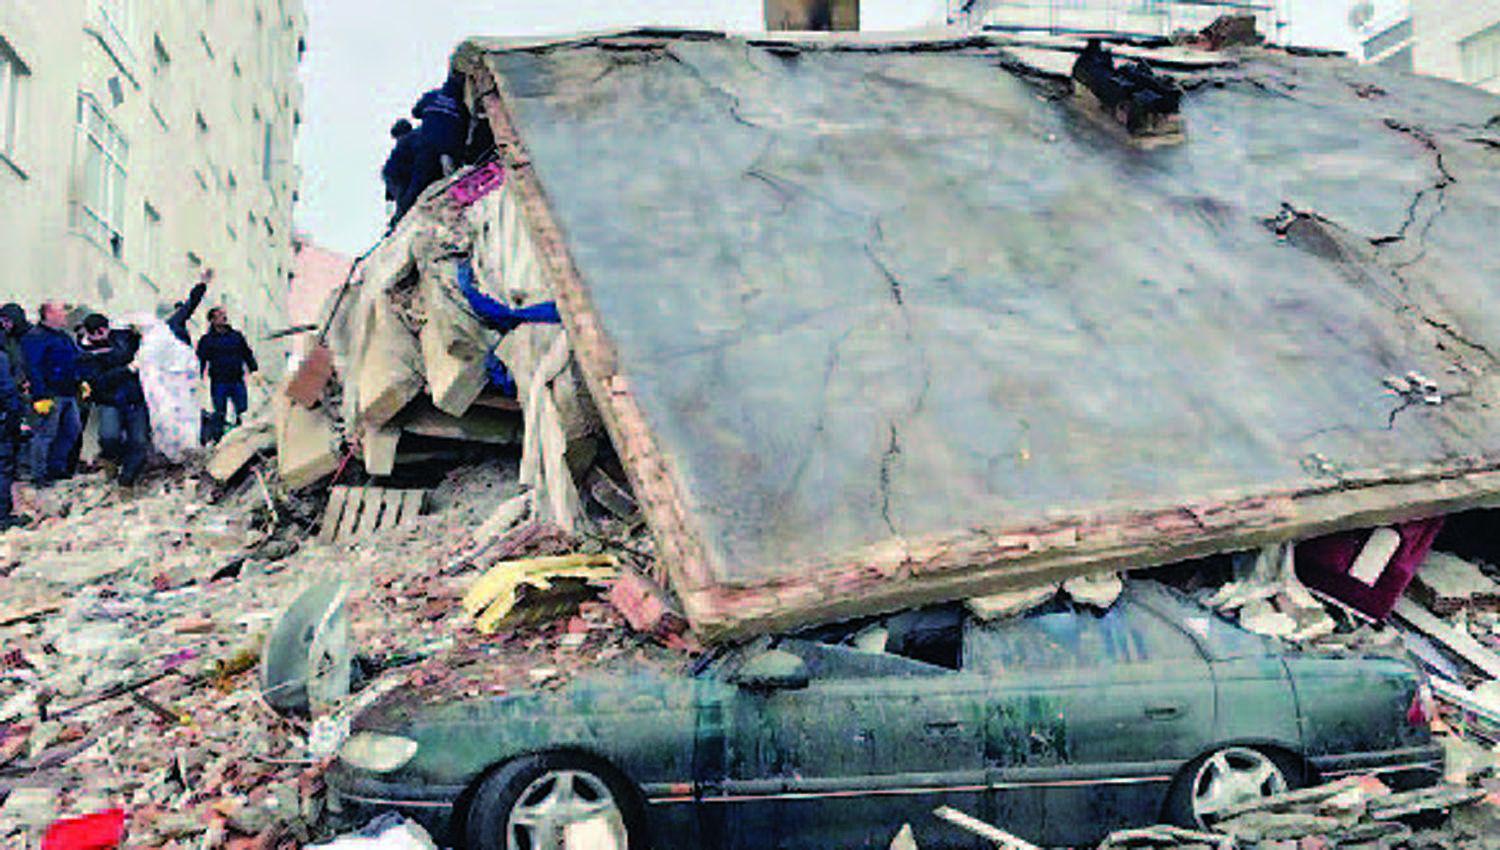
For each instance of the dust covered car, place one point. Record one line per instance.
(1060, 726)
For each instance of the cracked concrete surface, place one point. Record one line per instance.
(873, 294)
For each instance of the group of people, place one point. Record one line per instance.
(53, 378)
(445, 139)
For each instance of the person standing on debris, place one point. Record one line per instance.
(12, 413)
(444, 130)
(225, 356)
(396, 173)
(119, 401)
(52, 361)
(182, 311)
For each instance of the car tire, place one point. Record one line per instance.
(499, 807)
(1182, 805)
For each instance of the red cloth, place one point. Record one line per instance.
(1323, 564)
(99, 831)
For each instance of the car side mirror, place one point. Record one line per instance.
(773, 670)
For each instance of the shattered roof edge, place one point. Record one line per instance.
(921, 39)
(961, 566)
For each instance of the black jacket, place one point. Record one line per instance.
(109, 371)
(10, 401)
(177, 322)
(225, 355)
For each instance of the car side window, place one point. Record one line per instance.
(1065, 638)
(826, 662)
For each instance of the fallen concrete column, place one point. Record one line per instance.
(307, 444)
(388, 374)
(378, 447)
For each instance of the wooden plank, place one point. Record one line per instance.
(411, 506)
(353, 506)
(374, 504)
(338, 498)
(989, 832)
(1459, 642)
(390, 516)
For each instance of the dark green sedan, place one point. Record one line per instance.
(1059, 727)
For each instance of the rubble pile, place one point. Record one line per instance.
(1355, 812)
(132, 639)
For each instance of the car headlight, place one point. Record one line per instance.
(377, 753)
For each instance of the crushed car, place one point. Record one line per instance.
(1062, 725)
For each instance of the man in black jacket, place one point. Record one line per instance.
(11, 411)
(52, 362)
(124, 423)
(225, 356)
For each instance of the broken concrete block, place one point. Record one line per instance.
(454, 341)
(379, 448)
(307, 444)
(32, 808)
(645, 605)
(306, 385)
(388, 371)
(1276, 826)
(1447, 583)
(1100, 591)
(904, 839)
(239, 446)
(1010, 603)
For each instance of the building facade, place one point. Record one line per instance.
(1457, 40)
(142, 141)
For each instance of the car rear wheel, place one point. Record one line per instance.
(1222, 779)
(554, 802)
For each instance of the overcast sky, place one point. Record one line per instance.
(367, 62)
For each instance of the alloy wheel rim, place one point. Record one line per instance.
(1233, 776)
(566, 810)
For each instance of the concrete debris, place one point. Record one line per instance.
(1447, 584)
(904, 839)
(240, 446)
(1100, 591)
(1269, 599)
(1011, 603)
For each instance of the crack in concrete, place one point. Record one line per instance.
(892, 452)
(1438, 189)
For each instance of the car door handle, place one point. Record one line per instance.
(941, 725)
(1163, 712)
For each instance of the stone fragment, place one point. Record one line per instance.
(31, 807)
(1100, 591)
(1010, 603)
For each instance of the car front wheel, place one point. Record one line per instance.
(554, 802)
(1223, 779)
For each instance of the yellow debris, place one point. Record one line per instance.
(496, 592)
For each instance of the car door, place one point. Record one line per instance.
(1090, 716)
(874, 741)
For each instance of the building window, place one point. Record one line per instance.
(266, 150)
(1480, 54)
(200, 121)
(100, 212)
(118, 20)
(151, 245)
(12, 75)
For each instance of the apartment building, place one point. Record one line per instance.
(144, 140)
(1457, 40)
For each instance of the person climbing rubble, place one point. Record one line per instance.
(396, 173)
(52, 361)
(442, 135)
(225, 357)
(119, 402)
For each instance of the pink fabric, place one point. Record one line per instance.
(1323, 564)
(476, 184)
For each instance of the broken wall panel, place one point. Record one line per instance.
(879, 325)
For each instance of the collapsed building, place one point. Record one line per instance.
(868, 322)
